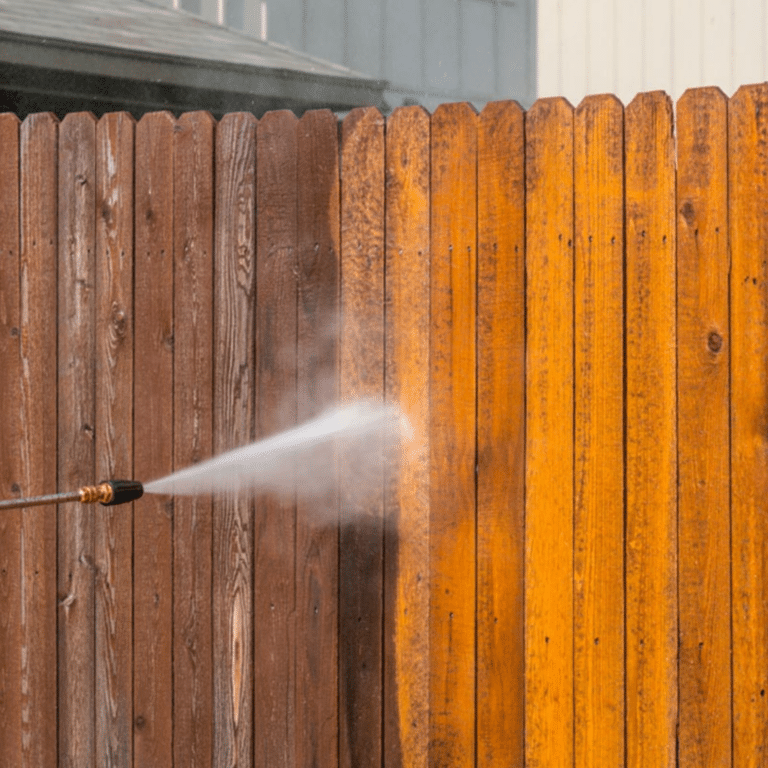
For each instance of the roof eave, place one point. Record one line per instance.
(294, 85)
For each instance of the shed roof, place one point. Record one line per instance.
(135, 40)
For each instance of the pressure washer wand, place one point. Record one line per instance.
(108, 493)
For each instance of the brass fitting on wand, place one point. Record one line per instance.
(108, 494)
(90, 494)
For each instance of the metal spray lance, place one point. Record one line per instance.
(108, 493)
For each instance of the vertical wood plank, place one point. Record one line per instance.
(651, 439)
(361, 375)
(275, 564)
(76, 414)
(704, 731)
(452, 554)
(599, 433)
(153, 440)
(193, 438)
(233, 422)
(748, 228)
(549, 435)
(500, 435)
(317, 525)
(37, 404)
(114, 438)
(406, 588)
(11, 466)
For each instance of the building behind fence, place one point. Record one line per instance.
(568, 567)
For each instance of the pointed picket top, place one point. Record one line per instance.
(157, 117)
(197, 116)
(599, 100)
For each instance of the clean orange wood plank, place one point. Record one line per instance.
(453, 297)
(317, 379)
(651, 439)
(406, 588)
(11, 466)
(599, 433)
(549, 435)
(153, 444)
(114, 438)
(704, 591)
(500, 435)
(748, 228)
(275, 566)
(193, 438)
(37, 404)
(361, 375)
(76, 414)
(233, 416)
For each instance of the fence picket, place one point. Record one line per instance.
(599, 434)
(153, 440)
(452, 554)
(233, 423)
(361, 496)
(651, 470)
(76, 415)
(193, 438)
(406, 588)
(500, 435)
(317, 379)
(549, 435)
(11, 463)
(37, 403)
(748, 228)
(704, 731)
(114, 437)
(276, 339)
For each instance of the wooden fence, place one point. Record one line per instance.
(569, 569)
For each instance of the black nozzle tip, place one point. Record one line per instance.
(124, 491)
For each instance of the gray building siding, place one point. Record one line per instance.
(429, 51)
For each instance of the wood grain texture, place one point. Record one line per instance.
(704, 590)
(748, 228)
(11, 438)
(38, 449)
(599, 433)
(114, 438)
(276, 328)
(233, 425)
(651, 437)
(549, 435)
(500, 435)
(153, 440)
(361, 375)
(76, 415)
(193, 438)
(317, 379)
(406, 588)
(452, 560)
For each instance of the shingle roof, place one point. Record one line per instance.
(137, 25)
(105, 55)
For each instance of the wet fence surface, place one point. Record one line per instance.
(569, 566)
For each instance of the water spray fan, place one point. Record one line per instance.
(273, 464)
(108, 493)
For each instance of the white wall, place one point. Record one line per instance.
(627, 46)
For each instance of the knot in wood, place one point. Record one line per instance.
(687, 212)
(714, 341)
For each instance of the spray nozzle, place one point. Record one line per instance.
(111, 492)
